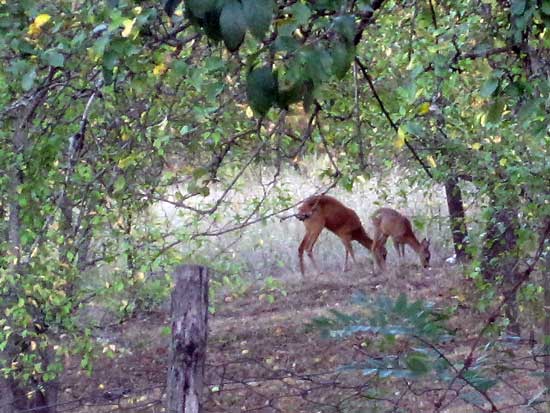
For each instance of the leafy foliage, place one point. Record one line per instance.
(233, 24)
(110, 107)
(404, 340)
(262, 89)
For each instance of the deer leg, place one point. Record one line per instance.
(313, 234)
(301, 249)
(346, 240)
(400, 248)
(379, 242)
(314, 226)
(397, 247)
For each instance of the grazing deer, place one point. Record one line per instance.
(323, 211)
(390, 223)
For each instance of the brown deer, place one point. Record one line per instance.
(323, 211)
(390, 223)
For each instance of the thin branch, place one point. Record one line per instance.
(366, 18)
(487, 53)
(507, 296)
(434, 17)
(75, 145)
(388, 117)
(337, 172)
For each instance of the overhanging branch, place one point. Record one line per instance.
(388, 116)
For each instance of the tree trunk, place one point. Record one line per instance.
(45, 400)
(499, 257)
(189, 337)
(66, 227)
(14, 219)
(84, 248)
(51, 388)
(8, 389)
(3, 220)
(546, 327)
(13, 396)
(458, 219)
(499, 243)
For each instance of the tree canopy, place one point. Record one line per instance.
(108, 107)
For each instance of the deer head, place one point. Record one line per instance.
(307, 209)
(425, 252)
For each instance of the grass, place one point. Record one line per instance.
(262, 357)
(269, 249)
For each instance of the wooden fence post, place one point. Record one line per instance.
(189, 315)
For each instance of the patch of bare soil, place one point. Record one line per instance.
(264, 357)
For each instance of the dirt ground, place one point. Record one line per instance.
(265, 357)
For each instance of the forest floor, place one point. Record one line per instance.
(265, 357)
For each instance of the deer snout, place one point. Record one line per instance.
(302, 216)
(426, 263)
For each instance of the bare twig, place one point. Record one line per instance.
(388, 117)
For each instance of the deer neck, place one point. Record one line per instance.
(413, 242)
(364, 239)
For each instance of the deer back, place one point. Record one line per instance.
(392, 223)
(337, 216)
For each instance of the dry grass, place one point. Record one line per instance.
(262, 357)
(270, 248)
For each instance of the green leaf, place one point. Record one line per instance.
(401, 304)
(518, 7)
(318, 64)
(28, 80)
(414, 129)
(199, 8)
(530, 108)
(345, 26)
(342, 57)
(418, 363)
(261, 89)
(23, 46)
(495, 111)
(489, 87)
(285, 43)
(85, 362)
(301, 13)
(479, 382)
(181, 68)
(211, 25)
(110, 60)
(233, 25)
(545, 7)
(120, 183)
(108, 75)
(199, 172)
(289, 95)
(127, 161)
(54, 58)
(100, 45)
(258, 15)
